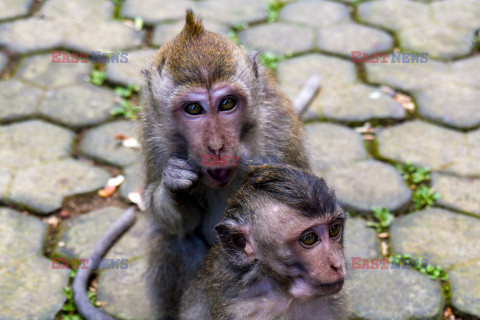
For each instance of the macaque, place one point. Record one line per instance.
(207, 98)
(280, 254)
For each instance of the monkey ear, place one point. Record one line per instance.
(237, 241)
(253, 56)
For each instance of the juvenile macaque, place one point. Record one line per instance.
(280, 254)
(208, 99)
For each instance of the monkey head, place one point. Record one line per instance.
(203, 87)
(285, 223)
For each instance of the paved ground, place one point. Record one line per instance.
(58, 146)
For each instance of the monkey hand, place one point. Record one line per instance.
(179, 174)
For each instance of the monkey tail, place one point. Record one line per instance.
(84, 306)
(305, 97)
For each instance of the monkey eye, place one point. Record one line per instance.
(193, 109)
(309, 239)
(334, 230)
(227, 104)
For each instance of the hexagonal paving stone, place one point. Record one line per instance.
(360, 241)
(133, 179)
(457, 13)
(124, 292)
(3, 61)
(466, 71)
(14, 8)
(127, 73)
(278, 38)
(407, 76)
(458, 193)
(317, 13)
(41, 71)
(33, 142)
(78, 106)
(364, 184)
(357, 103)
(6, 176)
(78, 11)
(465, 285)
(152, 12)
(132, 244)
(293, 73)
(333, 145)
(18, 100)
(393, 14)
(100, 144)
(22, 236)
(165, 32)
(232, 12)
(453, 105)
(42, 188)
(348, 37)
(32, 34)
(427, 145)
(439, 41)
(382, 294)
(80, 234)
(442, 237)
(25, 286)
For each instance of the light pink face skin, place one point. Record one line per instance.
(214, 132)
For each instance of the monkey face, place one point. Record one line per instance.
(210, 120)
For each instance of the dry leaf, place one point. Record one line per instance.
(383, 235)
(389, 91)
(111, 186)
(52, 221)
(384, 248)
(405, 101)
(136, 197)
(127, 141)
(65, 214)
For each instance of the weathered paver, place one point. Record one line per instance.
(466, 71)
(458, 193)
(278, 38)
(18, 100)
(100, 144)
(317, 13)
(165, 32)
(57, 180)
(3, 61)
(232, 12)
(361, 185)
(133, 179)
(357, 103)
(6, 176)
(465, 284)
(457, 13)
(152, 12)
(14, 8)
(333, 145)
(130, 72)
(348, 37)
(442, 237)
(432, 146)
(78, 106)
(33, 142)
(360, 241)
(381, 294)
(40, 71)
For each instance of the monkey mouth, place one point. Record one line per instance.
(331, 288)
(220, 176)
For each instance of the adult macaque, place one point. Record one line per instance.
(206, 97)
(280, 254)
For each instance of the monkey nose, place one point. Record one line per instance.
(215, 150)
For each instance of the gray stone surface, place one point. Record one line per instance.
(465, 284)
(78, 106)
(278, 38)
(348, 37)
(466, 71)
(130, 72)
(26, 240)
(442, 237)
(124, 291)
(33, 142)
(153, 12)
(453, 105)
(431, 146)
(357, 103)
(133, 179)
(232, 12)
(361, 185)
(3, 61)
(395, 294)
(458, 193)
(166, 32)
(14, 8)
(18, 100)
(40, 71)
(42, 188)
(132, 245)
(31, 289)
(5, 178)
(457, 13)
(80, 234)
(317, 13)
(360, 241)
(100, 144)
(333, 145)
(438, 40)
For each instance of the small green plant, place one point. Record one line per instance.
(434, 272)
(125, 107)
(424, 197)
(414, 175)
(97, 77)
(271, 60)
(138, 23)
(384, 219)
(233, 33)
(273, 9)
